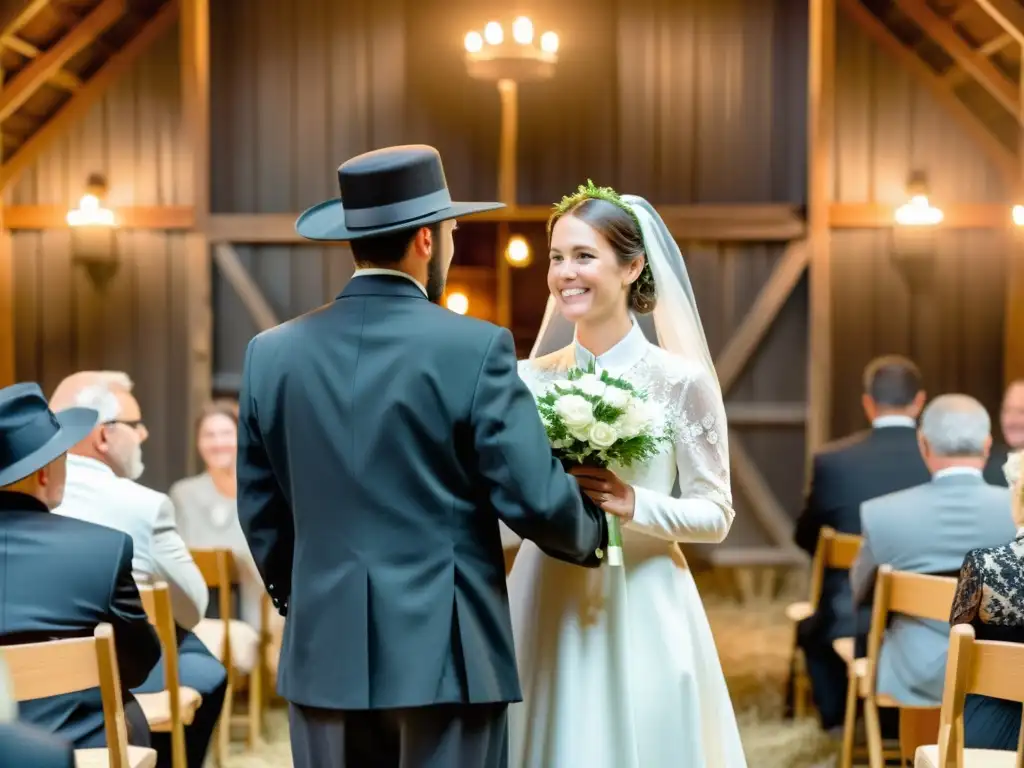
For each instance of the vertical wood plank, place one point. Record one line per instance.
(7, 352)
(1013, 328)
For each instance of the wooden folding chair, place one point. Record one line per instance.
(909, 594)
(38, 670)
(985, 667)
(169, 710)
(836, 551)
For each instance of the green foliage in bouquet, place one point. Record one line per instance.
(600, 420)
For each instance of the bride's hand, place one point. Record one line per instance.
(607, 491)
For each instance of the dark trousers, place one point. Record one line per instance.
(29, 745)
(441, 736)
(828, 680)
(198, 669)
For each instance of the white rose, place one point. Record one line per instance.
(589, 384)
(1012, 467)
(616, 398)
(602, 436)
(575, 412)
(635, 420)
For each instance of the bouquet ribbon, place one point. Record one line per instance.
(614, 540)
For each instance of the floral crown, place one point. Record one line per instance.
(590, 191)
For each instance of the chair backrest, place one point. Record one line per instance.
(156, 599)
(985, 667)
(38, 670)
(834, 550)
(910, 594)
(220, 573)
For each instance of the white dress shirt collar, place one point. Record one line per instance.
(954, 471)
(893, 420)
(371, 271)
(626, 353)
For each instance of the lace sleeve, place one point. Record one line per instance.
(967, 600)
(703, 512)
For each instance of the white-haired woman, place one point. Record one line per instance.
(990, 597)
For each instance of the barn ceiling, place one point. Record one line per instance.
(967, 52)
(56, 59)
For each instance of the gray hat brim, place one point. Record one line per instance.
(326, 220)
(75, 424)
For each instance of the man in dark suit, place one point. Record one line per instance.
(381, 439)
(23, 744)
(63, 577)
(1011, 423)
(845, 474)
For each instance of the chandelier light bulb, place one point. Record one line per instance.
(474, 42)
(549, 42)
(457, 303)
(493, 33)
(522, 30)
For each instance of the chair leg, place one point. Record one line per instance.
(256, 704)
(222, 736)
(873, 729)
(849, 722)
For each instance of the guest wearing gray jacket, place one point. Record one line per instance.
(929, 529)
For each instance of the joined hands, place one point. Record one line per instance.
(606, 490)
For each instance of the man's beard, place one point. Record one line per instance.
(130, 462)
(435, 275)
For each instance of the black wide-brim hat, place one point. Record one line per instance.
(31, 435)
(384, 191)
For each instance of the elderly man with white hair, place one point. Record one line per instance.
(928, 529)
(101, 488)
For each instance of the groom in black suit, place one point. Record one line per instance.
(381, 439)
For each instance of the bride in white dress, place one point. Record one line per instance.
(618, 665)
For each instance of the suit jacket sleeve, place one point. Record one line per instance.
(173, 563)
(528, 488)
(862, 574)
(135, 639)
(263, 512)
(811, 519)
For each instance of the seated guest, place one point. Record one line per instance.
(990, 597)
(63, 577)
(101, 487)
(208, 519)
(1011, 421)
(929, 529)
(877, 461)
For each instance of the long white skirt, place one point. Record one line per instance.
(618, 666)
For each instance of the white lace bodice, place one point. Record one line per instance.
(689, 402)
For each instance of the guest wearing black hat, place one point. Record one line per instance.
(63, 577)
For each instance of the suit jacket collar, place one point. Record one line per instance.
(381, 285)
(12, 501)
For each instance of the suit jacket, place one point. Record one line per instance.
(61, 578)
(95, 494)
(994, 466)
(22, 744)
(382, 438)
(845, 474)
(927, 529)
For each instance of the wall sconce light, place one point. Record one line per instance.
(93, 240)
(913, 237)
(457, 302)
(517, 251)
(1018, 215)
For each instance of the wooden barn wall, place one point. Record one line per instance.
(887, 126)
(135, 322)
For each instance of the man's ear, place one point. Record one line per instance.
(423, 242)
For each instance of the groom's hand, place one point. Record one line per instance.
(607, 491)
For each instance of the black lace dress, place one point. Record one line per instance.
(990, 597)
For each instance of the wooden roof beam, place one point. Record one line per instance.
(89, 93)
(968, 58)
(1009, 14)
(43, 68)
(1004, 159)
(16, 18)
(62, 78)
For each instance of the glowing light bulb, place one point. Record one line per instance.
(917, 212)
(90, 213)
(549, 42)
(457, 303)
(518, 251)
(493, 33)
(522, 30)
(474, 42)
(1018, 215)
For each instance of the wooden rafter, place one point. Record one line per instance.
(43, 68)
(1003, 158)
(1009, 14)
(972, 61)
(9, 39)
(234, 271)
(763, 502)
(89, 93)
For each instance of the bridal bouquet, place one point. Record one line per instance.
(597, 420)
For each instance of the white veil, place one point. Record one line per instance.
(674, 325)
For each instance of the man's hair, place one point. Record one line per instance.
(92, 389)
(956, 425)
(387, 250)
(892, 381)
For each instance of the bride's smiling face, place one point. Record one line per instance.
(585, 275)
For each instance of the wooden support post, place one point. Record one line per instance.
(508, 90)
(7, 370)
(820, 125)
(231, 266)
(1013, 322)
(195, 81)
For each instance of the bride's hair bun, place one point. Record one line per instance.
(621, 230)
